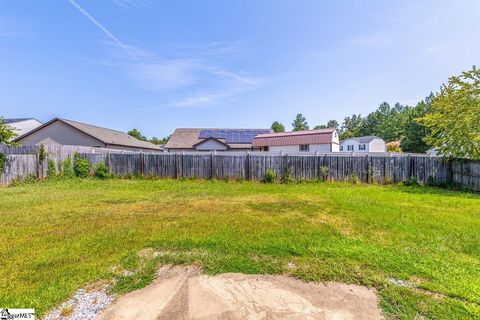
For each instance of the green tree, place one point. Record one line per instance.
(137, 134)
(7, 133)
(300, 123)
(330, 124)
(414, 131)
(351, 126)
(157, 141)
(454, 117)
(386, 122)
(333, 124)
(277, 127)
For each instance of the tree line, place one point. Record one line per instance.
(391, 123)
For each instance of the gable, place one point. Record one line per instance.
(60, 133)
(211, 144)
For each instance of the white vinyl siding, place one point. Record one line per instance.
(210, 145)
(312, 148)
(59, 133)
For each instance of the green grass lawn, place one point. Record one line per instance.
(59, 236)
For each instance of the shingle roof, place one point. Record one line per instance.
(366, 139)
(187, 138)
(107, 136)
(319, 136)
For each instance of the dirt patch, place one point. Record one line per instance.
(186, 293)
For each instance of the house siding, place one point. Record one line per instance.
(312, 148)
(59, 133)
(376, 145)
(209, 145)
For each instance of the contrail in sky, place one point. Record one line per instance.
(108, 33)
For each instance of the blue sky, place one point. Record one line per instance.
(158, 65)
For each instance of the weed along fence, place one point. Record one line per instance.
(253, 166)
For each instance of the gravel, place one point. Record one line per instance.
(84, 305)
(401, 283)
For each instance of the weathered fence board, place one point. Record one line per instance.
(19, 167)
(253, 166)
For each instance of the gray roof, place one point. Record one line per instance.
(187, 138)
(366, 139)
(12, 120)
(107, 136)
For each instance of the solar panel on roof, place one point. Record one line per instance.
(231, 136)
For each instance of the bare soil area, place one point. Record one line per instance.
(186, 293)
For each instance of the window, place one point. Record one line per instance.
(350, 148)
(362, 147)
(341, 148)
(304, 147)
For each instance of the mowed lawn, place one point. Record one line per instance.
(59, 236)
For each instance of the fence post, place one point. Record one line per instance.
(368, 169)
(142, 164)
(247, 166)
(409, 167)
(213, 165)
(109, 164)
(37, 164)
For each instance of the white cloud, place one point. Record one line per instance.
(196, 65)
(163, 75)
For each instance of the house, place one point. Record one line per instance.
(22, 125)
(202, 139)
(67, 132)
(363, 144)
(321, 140)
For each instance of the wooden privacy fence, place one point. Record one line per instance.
(362, 168)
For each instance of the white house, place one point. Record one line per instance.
(22, 125)
(321, 140)
(363, 144)
(67, 132)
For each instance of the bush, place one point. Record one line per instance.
(270, 176)
(355, 179)
(287, 176)
(81, 167)
(67, 168)
(394, 146)
(3, 162)
(410, 182)
(324, 172)
(42, 155)
(101, 171)
(51, 169)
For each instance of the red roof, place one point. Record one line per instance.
(320, 136)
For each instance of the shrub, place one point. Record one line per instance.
(324, 172)
(394, 146)
(51, 169)
(410, 182)
(270, 176)
(67, 168)
(355, 179)
(42, 155)
(287, 176)
(81, 167)
(101, 171)
(432, 181)
(3, 162)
